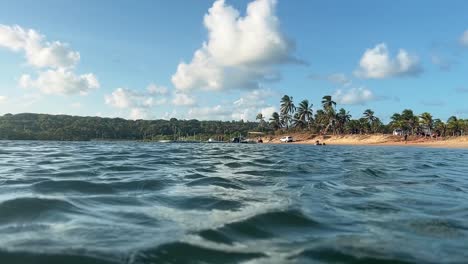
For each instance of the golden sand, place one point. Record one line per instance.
(373, 140)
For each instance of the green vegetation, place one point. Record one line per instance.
(327, 120)
(64, 127)
(302, 118)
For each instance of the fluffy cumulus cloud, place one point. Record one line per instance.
(137, 103)
(240, 52)
(182, 99)
(38, 52)
(60, 81)
(54, 61)
(353, 96)
(268, 111)
(376, 63)
(464, 39)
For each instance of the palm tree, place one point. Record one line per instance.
(328, 105)
(275, 121)
(305, 113)
(440, 127)
(371, 119)
(426, 120)
(342, 118)
(411, 120)
(453, 125)
(397, 122)
(369, 115)
(321, 120)
(297, 122)
(261, 119)
(287, 109)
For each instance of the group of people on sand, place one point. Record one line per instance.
(317, 143)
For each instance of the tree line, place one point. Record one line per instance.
(290, 118)
(329, 120)
(64, 127)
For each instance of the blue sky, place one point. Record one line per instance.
(138, 59)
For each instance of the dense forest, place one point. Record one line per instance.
(65, 127)
(291, 118)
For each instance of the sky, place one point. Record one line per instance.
(232, 59)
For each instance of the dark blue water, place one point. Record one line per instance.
(99, 202)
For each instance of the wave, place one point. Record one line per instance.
(26, 209)
(182, 252)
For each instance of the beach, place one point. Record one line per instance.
(374, 140)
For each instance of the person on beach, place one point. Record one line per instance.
(406, 138)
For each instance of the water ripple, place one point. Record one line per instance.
(131, 202)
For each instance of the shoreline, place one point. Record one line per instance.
(460, 142)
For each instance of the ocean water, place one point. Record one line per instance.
(130, 202)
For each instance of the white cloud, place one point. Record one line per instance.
(254, 99)
(353, 96)
(217, 112)
(155, 89)
(38, 52)
(268, 111)
(240, 51)
(120, 98)
(139, 113)
(60, 81)
(464, 38)
(137, 102)
(2, 98)
(125, 98)
(56, 61)
(376, 63)
(182, 99)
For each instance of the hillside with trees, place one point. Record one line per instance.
(65, 127)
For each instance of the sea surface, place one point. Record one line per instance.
(134, 202)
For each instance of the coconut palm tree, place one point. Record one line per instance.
(328, 105)
(287, 108)
(440, 127)
(411, 120)
(369, 116)
(397, 122)
(453, 125)
(261, 119)
(342, 118)
(427, 121)
(371, 119)
(321, 120)
(275, 121)
(305, 113)
(298, 122)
